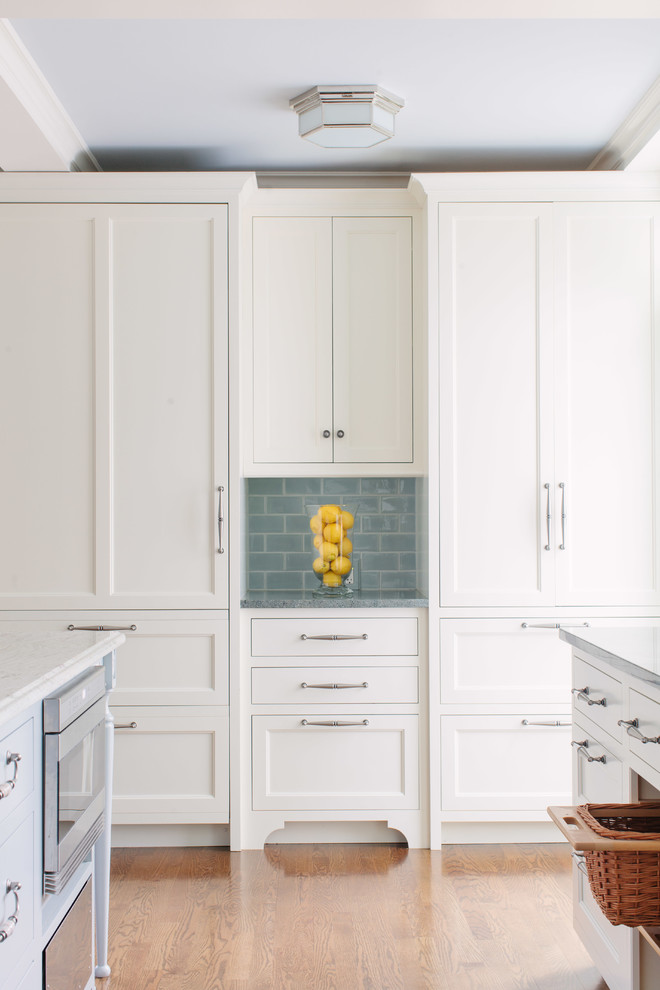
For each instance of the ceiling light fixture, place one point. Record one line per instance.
(346, 116)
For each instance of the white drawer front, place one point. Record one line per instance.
(647, 712)
(598, 776)
(487, 661)
(603, 701)
(496, 763)
(172, 762)
(334, 685)
(368, 637)
(338, 768)
(17, 864)
(611, 945)
(20, 742)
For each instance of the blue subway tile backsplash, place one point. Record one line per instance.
(280, 541)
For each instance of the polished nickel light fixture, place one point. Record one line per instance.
(346, 116)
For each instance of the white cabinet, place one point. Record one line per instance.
(548, 426)
(114, 379)
(332, 341)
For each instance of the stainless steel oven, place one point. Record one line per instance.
(74, 775)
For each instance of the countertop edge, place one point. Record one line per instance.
(613, 659)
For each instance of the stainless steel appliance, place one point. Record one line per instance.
(68, 962)
(74, 775)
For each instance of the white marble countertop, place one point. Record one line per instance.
(34, 664)
(635, 652)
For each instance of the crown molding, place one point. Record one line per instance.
(37, 133)
(634, 133)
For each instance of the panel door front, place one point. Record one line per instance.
(372, 340)
(608, 419)
(496, 445)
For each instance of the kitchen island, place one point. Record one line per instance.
(34, 666)
(616, 758)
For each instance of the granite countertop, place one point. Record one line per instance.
(359, 599)
(34, 664)
(635, 652)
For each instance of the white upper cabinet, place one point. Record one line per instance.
(332, 341)
(607, 325)
(114, 396)
(496, 442)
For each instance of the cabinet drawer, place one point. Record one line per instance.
(17, 864)
(339, 768)
(368, 637)
(647, 713)
(173, 763)
(21, 742)
(601, 699)
(334, 685)
(497, 763)
(599, 780)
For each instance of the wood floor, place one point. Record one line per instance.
(345, 917)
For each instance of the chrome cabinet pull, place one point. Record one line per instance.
(632, 728)
(554, 724)
(554, 625)
(334, 723)
(127, 725)
(547, 515)
(221, 518)
(562, 545)
(102, 628)
(334, 687)
(13, 887)
(580, 743)
(333, 637)
(8, 786)
(583, 695)
(326, 434)
(582, 747)
(341, 434)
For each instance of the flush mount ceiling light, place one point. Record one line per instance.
(346, 116)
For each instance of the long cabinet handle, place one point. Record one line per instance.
(12, 887)
(562, 545)
(304, 636)
(554, 724)
(632, 728)
(547, 515)
(335, 687)
(221, 518)
(334, 723)
(127, 725)
(582, 748)
(102, 628)
(583, 695)
(554, 625)
(8, 786)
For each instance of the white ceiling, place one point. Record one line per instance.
(198, 93)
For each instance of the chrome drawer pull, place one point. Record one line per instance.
(335, 687)
(582, 744)
(102, 628)
(583, 695)
(582, 748)
(632, 728)
(547, 515)
(128, 725)
(333, 637)
(221, 518)
(365, 721)
(8, 785)
(555, 723)
(13, 887)
(554, 625)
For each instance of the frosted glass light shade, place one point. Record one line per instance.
(346, 116)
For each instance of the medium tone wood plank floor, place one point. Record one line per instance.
(345, 917)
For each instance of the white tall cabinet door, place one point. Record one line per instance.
(168, 400)
(372, 339)
(496, 436)
(607, 420)
(292, 339)
(47, 318)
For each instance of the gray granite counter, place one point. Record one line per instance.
(34, 664)
(635, 652)
(359, 599)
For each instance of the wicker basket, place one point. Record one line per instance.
(621, 848)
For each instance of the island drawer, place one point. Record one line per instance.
(598, 776)
(598, 696)
(646, 713)
(16, 775)
(333, 637)
(348, 685)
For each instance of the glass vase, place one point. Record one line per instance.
(331, 530)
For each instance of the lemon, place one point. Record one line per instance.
(346, 519)
(345, 547)
(317, 541)
(331, 579)
(329, 514)
(333, 533)
(329, 551)
(316, 524)
(341, 565)
(320, 566)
